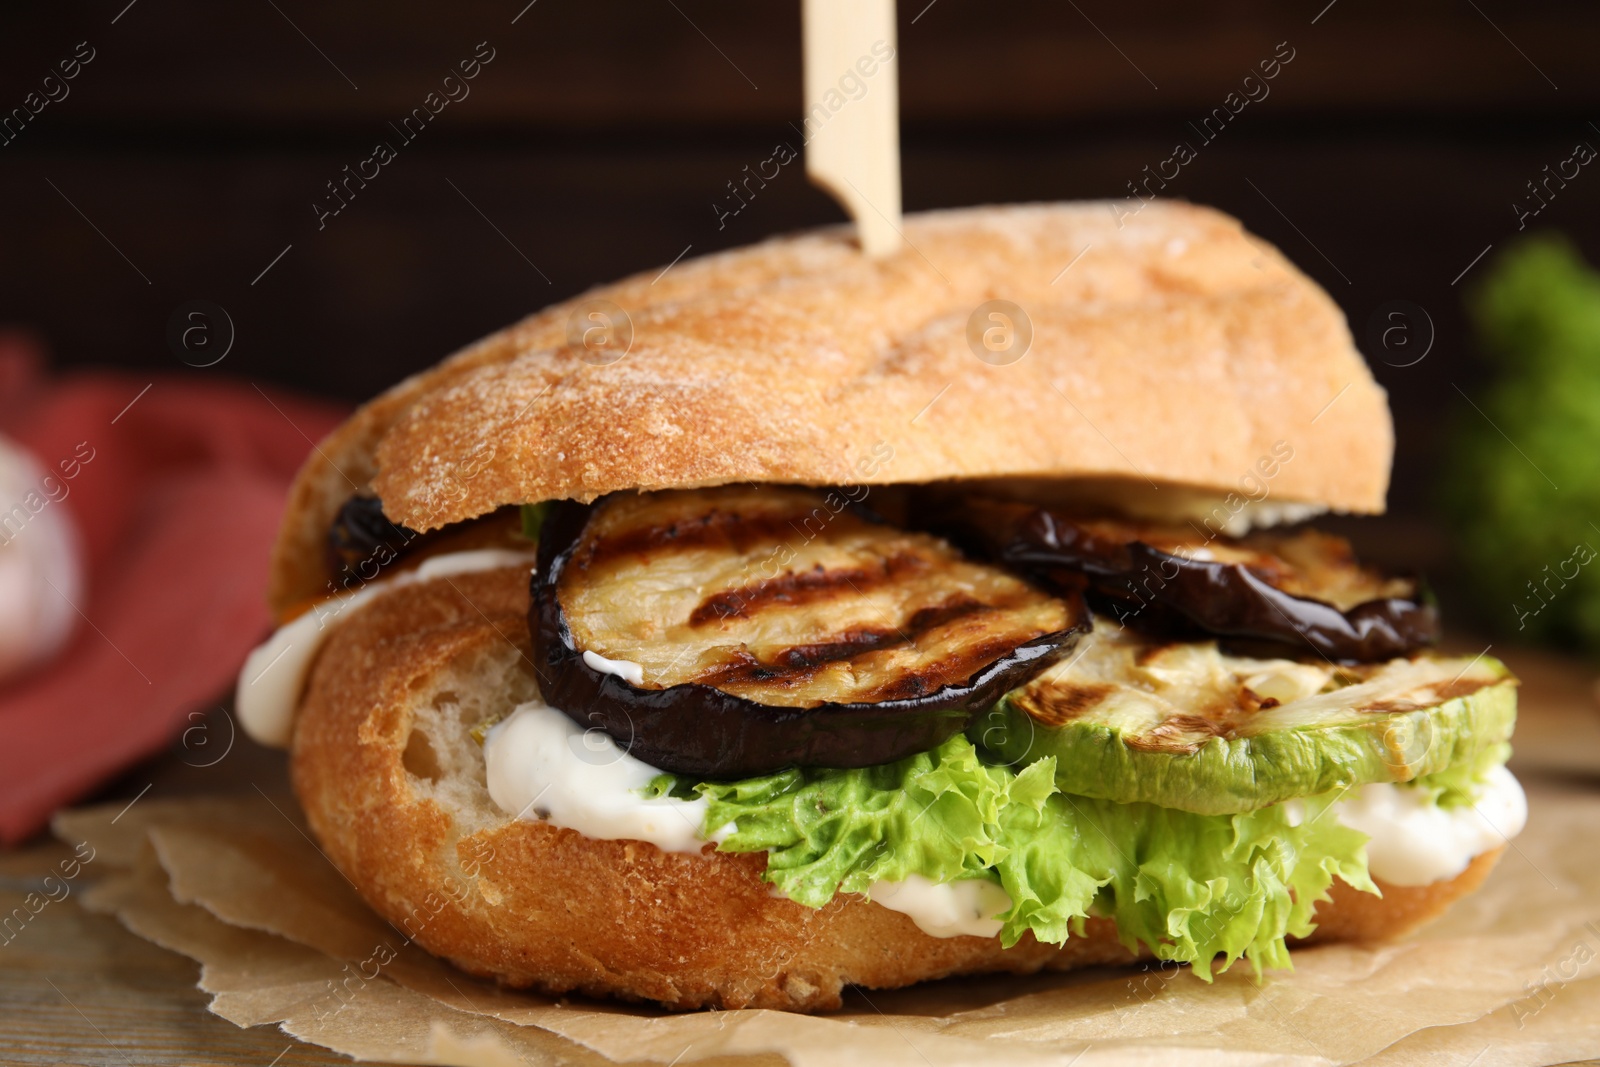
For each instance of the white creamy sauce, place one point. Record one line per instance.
(274, 675)
(948, 909)
(627, 670)
(1415, 842)
(542, 765)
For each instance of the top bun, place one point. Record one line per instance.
(1170, 350)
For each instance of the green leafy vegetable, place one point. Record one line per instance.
(1190, 886)
(1530, 547)
(533, 516)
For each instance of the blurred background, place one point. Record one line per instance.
(1391, 157)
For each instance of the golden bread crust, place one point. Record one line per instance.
(1178, 352)
(410, 823)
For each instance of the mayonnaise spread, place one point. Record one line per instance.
(543, 765)
(274, 675)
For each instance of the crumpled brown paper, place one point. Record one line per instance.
(1509, 976)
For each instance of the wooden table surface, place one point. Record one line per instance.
(77, 988)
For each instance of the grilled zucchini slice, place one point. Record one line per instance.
(1187, 726)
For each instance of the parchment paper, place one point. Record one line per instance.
(1509, 976)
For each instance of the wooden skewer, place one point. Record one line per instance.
(852, 117)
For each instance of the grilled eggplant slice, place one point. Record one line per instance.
(1292, 590)
(738, 631)
(1186, 726)
(363, 542)
(362, 536)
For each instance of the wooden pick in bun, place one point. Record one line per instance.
(1166, 360)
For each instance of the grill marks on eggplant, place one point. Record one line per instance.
(1306, 563)
(771, 594)
(1291, 591)
(800, 665)
(845, 645)
(805, 587)
(716, 529)
(778, 627)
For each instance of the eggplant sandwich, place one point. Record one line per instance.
(792, 620)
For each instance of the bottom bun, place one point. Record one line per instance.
(392, 782)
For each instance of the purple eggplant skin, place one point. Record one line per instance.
(698, 730)
(1222, 599)
(362, 537)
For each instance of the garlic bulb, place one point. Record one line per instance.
(41, 569)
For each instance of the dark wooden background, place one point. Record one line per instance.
(1386, 158)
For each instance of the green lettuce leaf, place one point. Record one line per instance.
(533, 516)
(1192, 887)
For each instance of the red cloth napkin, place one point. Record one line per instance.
(177, 509)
